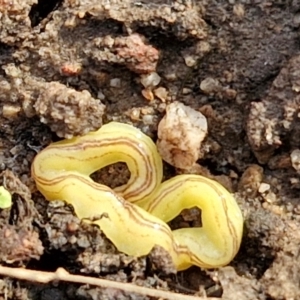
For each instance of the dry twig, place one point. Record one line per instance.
(62, 275)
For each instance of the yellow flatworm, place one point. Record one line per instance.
(137, 212)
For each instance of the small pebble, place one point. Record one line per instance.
(115, 82)
(147, 93)
(180, 134)
(161, 93)
(263, 187)
(150, 80)
(10, 111)
(210, 85)
(295, 158)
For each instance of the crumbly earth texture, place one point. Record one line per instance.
(69, 66)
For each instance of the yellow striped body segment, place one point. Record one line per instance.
(134, 215)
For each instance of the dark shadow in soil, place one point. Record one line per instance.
(52, 260)
(262, 257)
(42, 9)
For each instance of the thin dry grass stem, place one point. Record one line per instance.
(62, 275)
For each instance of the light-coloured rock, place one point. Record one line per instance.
(264, 187)
(295, 158)
(180, 134)
(150, 80)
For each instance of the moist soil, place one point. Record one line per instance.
(69, 66)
